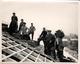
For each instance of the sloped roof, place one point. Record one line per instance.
(15, 50)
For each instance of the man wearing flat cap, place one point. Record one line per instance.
(49, 42)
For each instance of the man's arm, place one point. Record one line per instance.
(41, 34)
(34, 28)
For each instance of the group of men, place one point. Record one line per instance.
(52, 42)
(23, 30)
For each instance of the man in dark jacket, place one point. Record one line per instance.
(14, 24)
(52, 46)
(59, 44)
(42, 36)
(49, 43)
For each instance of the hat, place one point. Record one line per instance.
(13, 12)
(24, 23)
(58, 31)
(59, 34)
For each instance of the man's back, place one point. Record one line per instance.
(48, 37)
(14, 18)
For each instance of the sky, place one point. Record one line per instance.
(52, 15)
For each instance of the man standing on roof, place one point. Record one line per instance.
(31, 30)
(59, 44)
(21, 24)
(23, 32)
(14, 24)
(42, 36)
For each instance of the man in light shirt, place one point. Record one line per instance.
(31, 30)
(23, 32)
(21, 24)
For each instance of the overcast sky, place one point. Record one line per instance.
(53, 16)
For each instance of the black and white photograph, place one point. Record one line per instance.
(39, 31)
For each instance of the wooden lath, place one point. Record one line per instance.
(13, 54)
(26, 56)
(37, 58)
(11, 46)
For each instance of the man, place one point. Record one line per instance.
(59, 44)
(14, 24)
(49, 42)
(23, 32)
(21, 24)
(42, 36)
(31, 30)
(52, 46)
